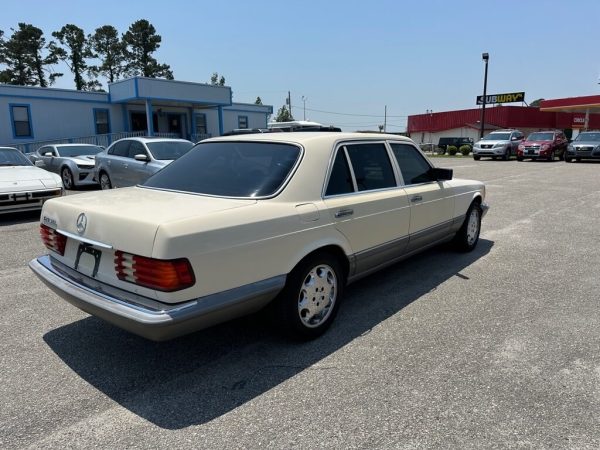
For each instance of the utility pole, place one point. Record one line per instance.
(290, 104)
(304, 102)
(485, 57)
(385, 119)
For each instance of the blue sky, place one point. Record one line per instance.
(355, 57)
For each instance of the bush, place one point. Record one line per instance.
(465, 149)
(440, 150)
(452, 150)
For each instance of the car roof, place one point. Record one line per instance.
(145, 139)
(71, 145)
(302, 137)
(8, 148)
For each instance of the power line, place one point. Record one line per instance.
(347, 114)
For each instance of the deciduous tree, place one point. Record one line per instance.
(216, 81)
(141, 41)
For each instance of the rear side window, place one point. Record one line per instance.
(229, 169)
(120, 148)
(371, 165)
(414, 168)
(340, 181)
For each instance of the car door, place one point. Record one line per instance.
(136, 171)
(516, 138)
(431, 201)
(116, 162)
(47, 161)
(366, 203)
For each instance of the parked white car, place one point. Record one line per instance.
(242, 221)
(24, 187)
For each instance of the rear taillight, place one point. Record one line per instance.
(161, 275)
(53, 239)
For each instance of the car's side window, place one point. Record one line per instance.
(414, 168)
(340, 181)
(372, 166)
(120, 149)
(136, 148)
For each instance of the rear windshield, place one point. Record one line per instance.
(10, 157)
(82, 150)
(229, 169)
(588, 137)
(169, 150)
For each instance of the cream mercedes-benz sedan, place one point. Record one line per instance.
(241, 222)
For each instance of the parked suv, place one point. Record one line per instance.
(131, 161)
(585, 146)
(543, 144)
(498, 144)
(457, 142)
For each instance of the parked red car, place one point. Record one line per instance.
(543, 145)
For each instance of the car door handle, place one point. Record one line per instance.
(416, 198)
(344, 213)
(125, 166)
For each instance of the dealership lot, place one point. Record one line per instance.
(495, 348)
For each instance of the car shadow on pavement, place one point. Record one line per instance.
(197, 378)
(17, 218)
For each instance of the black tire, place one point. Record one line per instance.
(519, 158)
(552, 156)
(476, 157)
(568, 159)
(467, 237)
(105, 183)
(506, 155)
(292, 317)
(67, 178)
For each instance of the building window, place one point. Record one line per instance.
(21, 120)
(201, 124)
(243, 122)
(101, 121)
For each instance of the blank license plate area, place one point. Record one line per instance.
(88, 260)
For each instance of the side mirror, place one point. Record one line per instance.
(441, 174)
(48, 154)
(39, 163)
(141, 157)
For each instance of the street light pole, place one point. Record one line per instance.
(485, 58)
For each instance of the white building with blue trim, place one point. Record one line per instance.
(33, 116)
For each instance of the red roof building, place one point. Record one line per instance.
(430, 127)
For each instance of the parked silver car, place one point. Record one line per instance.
(131, 161)
(585, 146)
(498, 144)
(73, 162)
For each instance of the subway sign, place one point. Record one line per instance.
(511, 97)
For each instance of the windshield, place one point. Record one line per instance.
(588, 137)
(10, 157)
(497, 137)
(229, 169)
(79, 150)
(169, 150)
(541, 137)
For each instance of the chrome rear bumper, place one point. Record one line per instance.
(147, 317)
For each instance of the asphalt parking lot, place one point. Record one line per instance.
(498, 348)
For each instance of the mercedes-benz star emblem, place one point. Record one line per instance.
(81, 223)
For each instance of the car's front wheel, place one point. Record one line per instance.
(476, 157)
(467, 237)
(67, 178)
(309, 302)
(105, 181)
(506, 155)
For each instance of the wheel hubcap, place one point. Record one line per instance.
(317, 296)
(67, 179)
(104, 183)
(473, 227)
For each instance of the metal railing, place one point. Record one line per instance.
(103, 140)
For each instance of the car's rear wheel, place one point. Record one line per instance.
(506, 155)
(568, 158)
(67, 178)
(519, 158)
(105, 181)
(467, 237)
(552, 156)
(309, 302)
